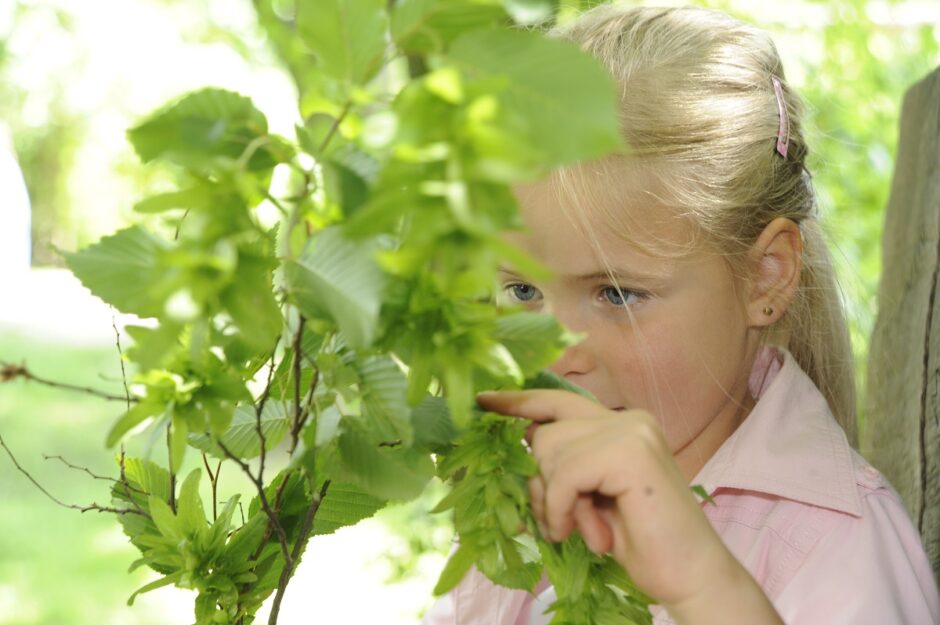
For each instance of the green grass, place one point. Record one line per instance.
(60, 566)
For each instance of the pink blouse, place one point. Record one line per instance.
(820, 529)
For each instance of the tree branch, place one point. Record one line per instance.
(296, 371)
(273, 520)
(288, 569)
(10, 372)
(117, 338)
(259, 409)
(93, 506)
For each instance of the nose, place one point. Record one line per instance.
(578, 359)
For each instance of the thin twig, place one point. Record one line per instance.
(117, 338)
(179, 225)
(169, 453)
(273, 521)
(259, 410)
(308, 401)
(9, 372)
(127, 486)
(329, 135)
(297, 369)
(93, 506)
(288, 569)
(277, 204)
(78, 468)
(256, 144)
(214, 480)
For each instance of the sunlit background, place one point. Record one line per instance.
(75, 74)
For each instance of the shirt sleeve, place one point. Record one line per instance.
(868, 570)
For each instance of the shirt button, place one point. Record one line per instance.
(872, 473)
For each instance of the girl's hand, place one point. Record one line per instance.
(611, 475)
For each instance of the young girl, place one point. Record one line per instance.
(717, 350)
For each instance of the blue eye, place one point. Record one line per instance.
(522, 292)
(619, 296)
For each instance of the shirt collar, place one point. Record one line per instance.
(789, 446)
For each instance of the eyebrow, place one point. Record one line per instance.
(617, 273)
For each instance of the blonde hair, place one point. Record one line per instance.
(698, 112)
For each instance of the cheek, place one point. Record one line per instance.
(681, 371)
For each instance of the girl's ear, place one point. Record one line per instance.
(776, 261)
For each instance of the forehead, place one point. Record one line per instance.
(597, 213)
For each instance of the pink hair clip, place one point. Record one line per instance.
(783, 132)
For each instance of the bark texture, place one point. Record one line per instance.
(902, 433)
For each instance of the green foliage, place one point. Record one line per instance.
(489, 466)
(316, 344)
(345, 345)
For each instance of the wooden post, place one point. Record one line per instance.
(902, 433)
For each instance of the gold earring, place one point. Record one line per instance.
(768, 311)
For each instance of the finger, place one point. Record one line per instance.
(530, 433)
(594, 529)
(550, 442)
(539, 404)
(588, 467)
(537, 499)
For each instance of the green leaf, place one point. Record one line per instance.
(245, 541)
(699, 490)
(456, 568)
(152, 345)
(241, 437)
(534, 340)
(347, 36)
(163, 581)
(121, 269)
(191, 514)
(530, 12)
(433, 427)
(385, 407)
(547, 379)
(148, 477)
(344, 504)
(163, 517)
(202, 126)
(339, 279)
(133, 417)
(196, 196)
(431, 25)
(545, 80)
(345, 186)
(250, 301)
(386, 473)
(179, 433)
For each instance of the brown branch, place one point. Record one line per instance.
(92, 506)
(299, 423)
(127, 486)
(169, 464)
(273, 521)
(296, 372)
(10, 372)
(288, 569)
(329, 135)
(179, 225)
(83, 469)
(117, 338)
(214, 480)
(259, 409)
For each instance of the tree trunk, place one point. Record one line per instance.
(902, 433)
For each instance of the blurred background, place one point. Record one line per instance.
(75, 74)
